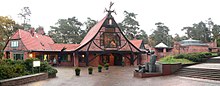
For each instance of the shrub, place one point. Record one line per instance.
(99, 68)
(218, 53)
(44, 66)
(90, 69)
(14, 68)
(7, 71)
(51, 71)
(29, 63)
(207, 54)
(172, 60)
(195, 57)
(1, 54)
(77, 71)
(180, 56)
(8, 61)
(106, 65)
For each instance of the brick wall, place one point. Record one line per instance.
(23, 79)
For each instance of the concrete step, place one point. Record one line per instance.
(212, 74)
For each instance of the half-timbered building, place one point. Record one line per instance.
(104, 43)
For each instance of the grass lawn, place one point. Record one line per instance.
(171, 60)
(214, 54)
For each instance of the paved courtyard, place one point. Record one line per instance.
(213, 63)
(117, 76)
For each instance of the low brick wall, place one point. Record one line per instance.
(23, 79)
(163, 69)
(170, 68)
(144, 75)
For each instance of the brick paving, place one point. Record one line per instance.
(116, 76)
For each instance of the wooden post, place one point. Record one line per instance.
(132, 59)
(87, 58)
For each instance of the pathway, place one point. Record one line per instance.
(117, 76)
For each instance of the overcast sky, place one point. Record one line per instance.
(175, 14)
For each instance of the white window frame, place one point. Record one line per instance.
(14, 44)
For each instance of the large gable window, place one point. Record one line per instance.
(110, 40)
(14, 44)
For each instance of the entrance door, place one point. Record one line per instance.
(117, 59)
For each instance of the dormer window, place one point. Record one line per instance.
(14, 44)
(110, 22)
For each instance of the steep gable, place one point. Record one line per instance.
(92, 42)
(35, 42)
(136, 43)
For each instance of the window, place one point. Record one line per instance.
(109, 30)
(110, 21)
(18, 56)
(111, 40)
(65, 58)
(14, 43)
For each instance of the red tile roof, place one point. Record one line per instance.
(35, 42)
(69, 47)
(92, 32)
(39, 42)
(136, 43)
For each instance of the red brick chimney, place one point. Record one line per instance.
(41, 31)
(32, 30)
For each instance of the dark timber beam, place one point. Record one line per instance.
(87, 58)
(138, 57)
(87, 55)
(131, 59)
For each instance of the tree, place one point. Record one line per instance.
(7, 28)
(40, 30)
(25, 13)
(178, 38)
(142, 35)
(161, 34)
(198, 31)
(129, 25)
(216, 31)
(67, 31)
(188, 31)
(89, 24)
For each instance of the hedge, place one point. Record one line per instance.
(172, 60)
(14, 68)
(195, 57)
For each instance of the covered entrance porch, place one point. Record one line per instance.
(113, 58)
(65, 58)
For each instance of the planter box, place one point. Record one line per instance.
(52, 76)
(168, 69)
(23, 79)
(145, 75)
(162, 69)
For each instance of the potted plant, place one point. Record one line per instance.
(106, 66)
(99, 68)
(77, 71)
(90, 69)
